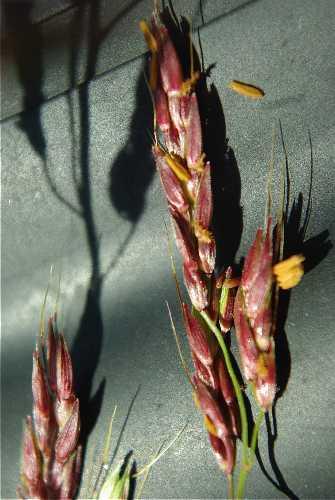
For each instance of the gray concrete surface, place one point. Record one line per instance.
(124, 335)
(46, 47)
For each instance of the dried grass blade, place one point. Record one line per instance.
(154, 460)
(146, 475)
(105, 456)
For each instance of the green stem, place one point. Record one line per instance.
(237, 388)
(255, 432)
(230, 480)
(241, 480)
(246, 469)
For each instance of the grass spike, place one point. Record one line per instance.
(177, 339)
(310, 199)
(279, 243)
(173, 267)
(42, 317)
(58, 294)
(153, 107)
(269, 178)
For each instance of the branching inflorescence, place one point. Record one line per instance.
(51, 453)
(51, 457)
(219, 300)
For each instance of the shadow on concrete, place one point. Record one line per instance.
(87, 345)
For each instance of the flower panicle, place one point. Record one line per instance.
(219, 301)
(186, 178)
(180, 160)
(253, 319)
(219, 425)
(254, 310)
(213, 392)
(51, 459)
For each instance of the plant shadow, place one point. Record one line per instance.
(86, 349)
(87, 344)
(132, 172)
(25, 38)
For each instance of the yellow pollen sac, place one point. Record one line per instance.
(199, 165)
(210, 426)
(203, 234)
(246, 89)
(149, 37)
(177, 168)
(231, 283)
(188, 84)
(196, 400)
(289, 272)
(208, 423)
(262, 370)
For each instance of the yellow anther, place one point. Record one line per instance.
(199, 165)
(231, 283)
(149, 37)
(246, 89)
(208, 423)
(289, 272)
(177, 168)
(188, 85)
(196, 400)
(203, 234)
(262, 369)
(210, 426)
